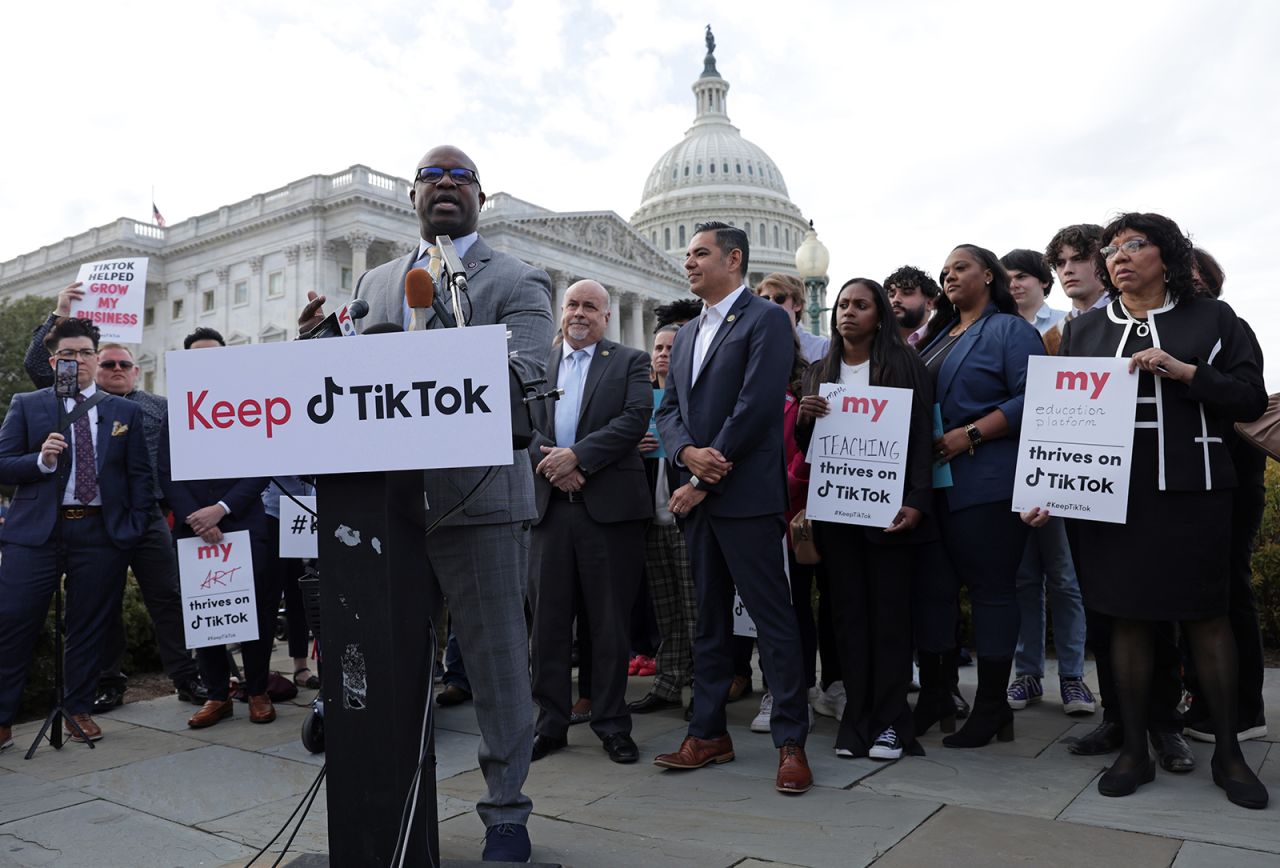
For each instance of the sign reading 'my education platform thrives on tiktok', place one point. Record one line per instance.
(1077, 438)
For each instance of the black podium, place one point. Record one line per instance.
(376, 641)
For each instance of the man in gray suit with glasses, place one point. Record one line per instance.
(478, 559)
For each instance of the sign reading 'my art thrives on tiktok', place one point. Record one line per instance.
(858, 456)
(1077, 438)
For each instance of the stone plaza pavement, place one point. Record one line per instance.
(155, 793)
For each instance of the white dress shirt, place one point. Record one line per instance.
(69, 493)
(712, 317)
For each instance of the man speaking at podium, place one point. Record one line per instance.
(478, 559)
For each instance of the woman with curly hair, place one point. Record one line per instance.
(1170, 561)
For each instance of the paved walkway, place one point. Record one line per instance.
(155, 793)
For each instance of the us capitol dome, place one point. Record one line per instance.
(716, 174)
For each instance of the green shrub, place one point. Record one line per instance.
(1266, 562)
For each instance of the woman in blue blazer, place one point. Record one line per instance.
(976, 349)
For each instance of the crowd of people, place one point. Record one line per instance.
(662, 486)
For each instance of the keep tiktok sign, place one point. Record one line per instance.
(858, 456)
(218, 603)
(404, 401)
(1077, 438)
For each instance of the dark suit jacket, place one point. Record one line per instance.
(986, 371)
(124, 470)
(736, 405)
(242, 496)
(505, 291)
(617, 401)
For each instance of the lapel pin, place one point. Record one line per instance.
(471, 265)
(732, 317)
(604, 352)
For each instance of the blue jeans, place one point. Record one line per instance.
(1047, 563)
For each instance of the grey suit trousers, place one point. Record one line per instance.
(482, 570)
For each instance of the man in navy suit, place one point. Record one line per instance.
(208, 508)
(721, 420)
(98, 476)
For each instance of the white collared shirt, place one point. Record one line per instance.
(711, 319)
(566, 351)
(812, 347)
(1100, 303)
(1047, 317)
(69, 493)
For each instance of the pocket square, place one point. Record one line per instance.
(118, 430)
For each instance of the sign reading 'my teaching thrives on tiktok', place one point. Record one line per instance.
(1077, 438)
(858, 457)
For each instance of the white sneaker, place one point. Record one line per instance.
(823, 702)
(844, 752)
(760, 723)
(887, 746)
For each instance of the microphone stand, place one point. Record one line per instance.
(58, 713)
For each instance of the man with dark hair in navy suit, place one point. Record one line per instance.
(97, 474)
(208, 508)
(721, 421)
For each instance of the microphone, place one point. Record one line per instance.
(340, 323)
(420, 294)
(457, 274)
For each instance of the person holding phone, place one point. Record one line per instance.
(83, 501)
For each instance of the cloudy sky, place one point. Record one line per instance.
(902, 129)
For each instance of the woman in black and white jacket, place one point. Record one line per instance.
(1170, 560)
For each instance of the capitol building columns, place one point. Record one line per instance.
(632, 305)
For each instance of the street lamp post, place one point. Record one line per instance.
(812, 259)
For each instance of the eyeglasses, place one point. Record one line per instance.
(435, 174)
(1132, 246)
(111, 364)
(71, 354)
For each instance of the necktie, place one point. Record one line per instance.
(86, 466)
(434, 264)
(571, 401)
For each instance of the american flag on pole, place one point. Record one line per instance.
(156, 216)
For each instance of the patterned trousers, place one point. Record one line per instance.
(671, 585)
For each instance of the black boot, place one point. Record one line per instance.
(991, 715)
(933, 702)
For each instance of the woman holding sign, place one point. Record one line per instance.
(1170, 560)
(976, 350)
(870, 568)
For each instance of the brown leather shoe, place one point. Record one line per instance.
(261, 710)
(92, 732)
(6, 737)
(211, 712)
(739, 687)
(695, 753)
(794, 776)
